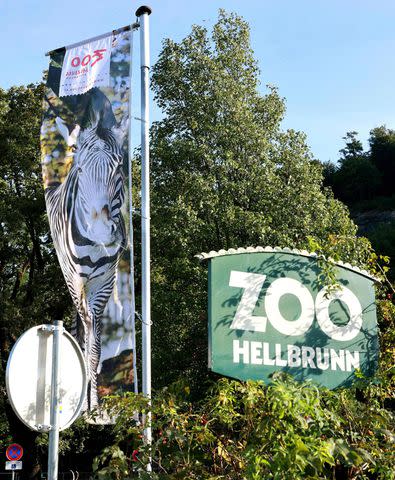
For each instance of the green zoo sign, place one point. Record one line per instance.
(269, 312)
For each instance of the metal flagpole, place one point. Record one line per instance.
(143, 13)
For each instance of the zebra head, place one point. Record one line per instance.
(97, 192)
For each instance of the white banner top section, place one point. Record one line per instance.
(86, 66)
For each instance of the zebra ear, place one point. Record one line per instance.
(69, 133)
(120, 130)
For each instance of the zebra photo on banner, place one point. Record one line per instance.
(85, 166)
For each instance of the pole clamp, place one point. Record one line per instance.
(51, 328)
(43, 428)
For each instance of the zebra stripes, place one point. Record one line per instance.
(89, 235)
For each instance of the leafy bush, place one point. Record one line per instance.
(283, 431)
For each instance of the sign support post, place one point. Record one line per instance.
(53, 447)
(35, 374)
(143, 13)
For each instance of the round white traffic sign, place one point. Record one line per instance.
(28, 378)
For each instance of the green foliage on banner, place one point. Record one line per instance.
(285, 431)
(30, 282)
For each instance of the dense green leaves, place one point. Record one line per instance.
(285, 431)
(225, 175)
(382, 153)
(364, 179)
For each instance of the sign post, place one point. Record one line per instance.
(14, 453)
(53, 447)
(46, 384)
(13, 465)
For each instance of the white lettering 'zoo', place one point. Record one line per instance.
(252, 284)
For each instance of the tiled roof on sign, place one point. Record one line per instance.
(293, 251)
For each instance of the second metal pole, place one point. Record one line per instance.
(143, 13)
(53, 448)
(131, 231)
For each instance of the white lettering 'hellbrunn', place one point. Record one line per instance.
(319, 358)
(252, 284)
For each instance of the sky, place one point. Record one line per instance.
(332, 60)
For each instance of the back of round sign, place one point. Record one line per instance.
(28, 378)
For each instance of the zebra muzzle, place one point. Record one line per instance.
(103, 227)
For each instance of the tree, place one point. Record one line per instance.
(352, 149)
(355, 178)
(31, 284)
(363, 179)
(224, 175)
(382, 154)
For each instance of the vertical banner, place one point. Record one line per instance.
(84, 148)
